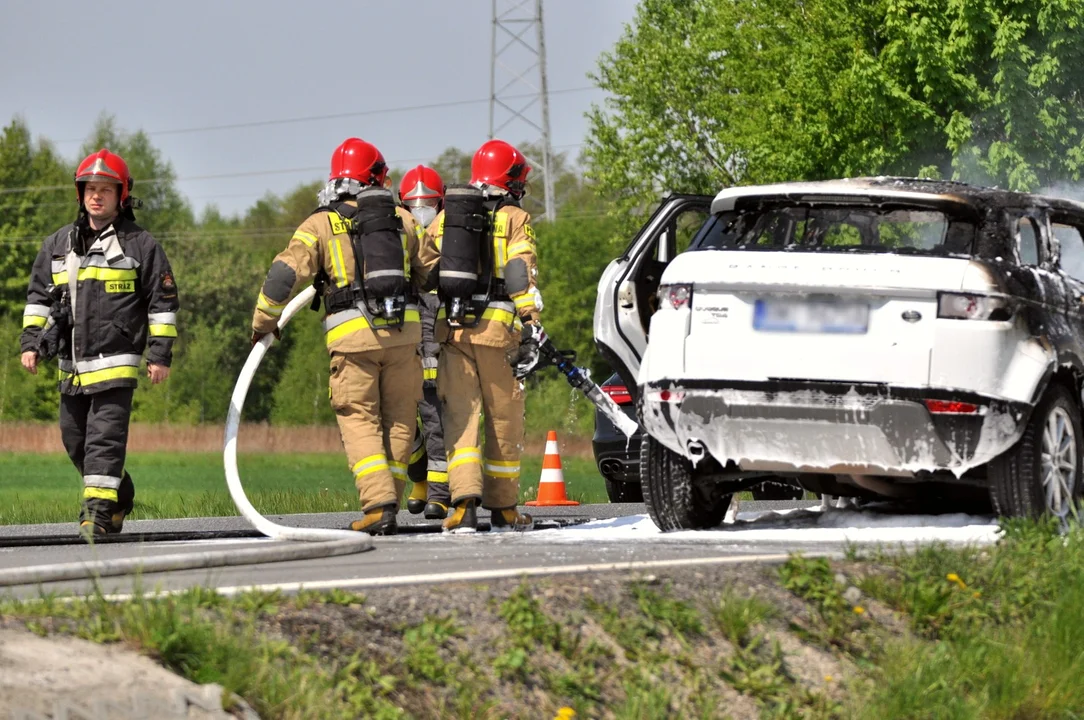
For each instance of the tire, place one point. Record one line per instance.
(778, 490)
(624, 491)
(673, 499)
(1018, 481)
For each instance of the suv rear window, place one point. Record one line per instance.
(838, 229)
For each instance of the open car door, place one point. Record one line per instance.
(627, 290)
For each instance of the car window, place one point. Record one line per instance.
(679, 233)
(1072, 249)
(1027, 241)
(873, 229)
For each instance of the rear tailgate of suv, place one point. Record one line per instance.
(863, 318)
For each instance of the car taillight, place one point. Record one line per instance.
(676, 297)
(951, 407)
(970, 306)
(666, 396)
(618, 393)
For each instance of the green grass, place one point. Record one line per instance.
(44, 488)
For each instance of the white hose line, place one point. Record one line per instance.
(320, 542)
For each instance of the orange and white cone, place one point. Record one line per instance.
(551, 486)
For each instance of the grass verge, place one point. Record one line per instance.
(44, 488)
(943, 632)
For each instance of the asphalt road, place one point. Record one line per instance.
(417, 555)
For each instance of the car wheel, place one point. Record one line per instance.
(674, 501)
(778, 490)
(624, 491)
(1041, 474)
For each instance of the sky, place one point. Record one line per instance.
(176, 70)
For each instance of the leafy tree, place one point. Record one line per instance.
(36, 198)
(712, 93)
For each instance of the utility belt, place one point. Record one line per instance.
(469, 313)
(353, 316)
(388, 313)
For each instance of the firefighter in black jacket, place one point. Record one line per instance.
(101, 291)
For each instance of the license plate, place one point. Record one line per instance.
(811, 316)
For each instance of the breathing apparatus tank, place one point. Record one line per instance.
(465, 255)
(380, 255)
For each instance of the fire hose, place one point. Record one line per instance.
(315, 542)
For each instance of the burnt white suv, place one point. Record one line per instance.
(869, 337)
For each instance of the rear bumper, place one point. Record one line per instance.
(828, 427)
(616, 456)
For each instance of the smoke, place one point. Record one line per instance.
(1065, 189)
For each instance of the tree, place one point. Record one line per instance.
(712, 93)
(36, 197)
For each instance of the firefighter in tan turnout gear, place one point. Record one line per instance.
(487, 282)
(362, 253)
(422, 193)
(101, 292)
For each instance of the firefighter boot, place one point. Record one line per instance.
(377, 521)
(416, 502)
(464, 517)
(100, 516)
(439, 500)
(506, 519)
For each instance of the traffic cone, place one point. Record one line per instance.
(551, 486)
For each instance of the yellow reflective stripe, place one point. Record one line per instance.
(96, 273)
(369, 465)
(398, 469)
(163, 330)
(523, 301)
(97, 376)
(340, 331)
(436, 476)
(406, 255)
(465, 456)
(429, 373)
(500, 255)
(269, 306)
(34, 321)
(100, 493)
(520, 246)
(488, 314)
(502, 468)
(307, 238)
(417, 455)
(338, 262)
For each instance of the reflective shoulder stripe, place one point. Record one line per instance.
(305, 237)
(338, 262)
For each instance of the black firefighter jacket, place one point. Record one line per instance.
(126, 302)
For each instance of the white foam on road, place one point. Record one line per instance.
(794, 527)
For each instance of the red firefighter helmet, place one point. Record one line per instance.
(499, 164)
(360, 161)
(104, 166)
(421, 183)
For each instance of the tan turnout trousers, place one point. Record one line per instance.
(375, 396)
(473, 379)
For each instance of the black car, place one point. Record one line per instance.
(618, 456)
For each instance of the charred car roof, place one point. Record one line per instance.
(906, 190)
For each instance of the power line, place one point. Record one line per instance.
(335, 116)
(220, 176)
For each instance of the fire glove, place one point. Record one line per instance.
(528, 357)
(258, 336)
